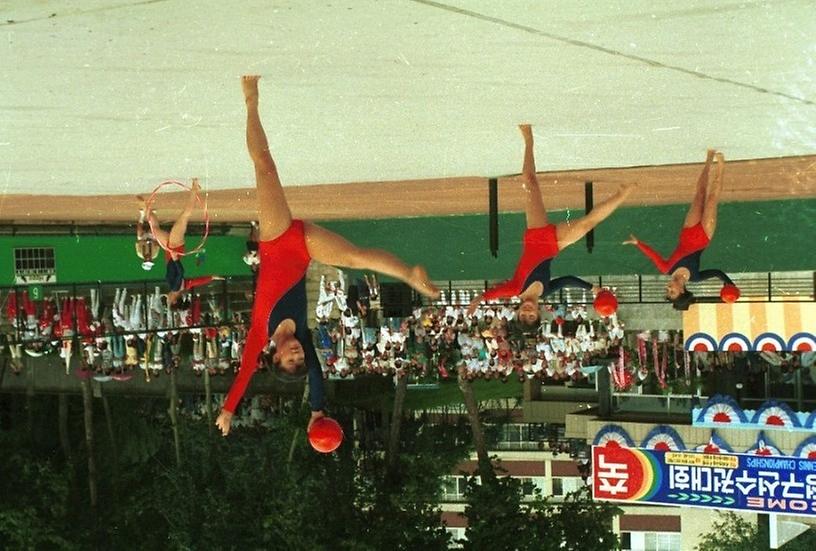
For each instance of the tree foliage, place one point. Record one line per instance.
(499, 518)
(732, 532)
(234, 493)
(35, 518)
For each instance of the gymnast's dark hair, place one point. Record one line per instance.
(683, 301)
(519, 331)
(279, 373)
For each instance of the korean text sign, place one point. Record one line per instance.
(743, 482)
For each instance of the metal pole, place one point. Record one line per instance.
(640, 288)
(144, 303)
(770, 297)
(225, 302)
(797, 377)
(19, 310)
(588, 204)
(72, 302)
(493, 219)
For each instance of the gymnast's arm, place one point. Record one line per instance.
(257, 338)
(199, 281)
(317, 393)
(567, 281)
(506, 289)
(139, 239)
(653, 255)
(708, 274)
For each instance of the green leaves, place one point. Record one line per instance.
(541, 524)
(733, 533)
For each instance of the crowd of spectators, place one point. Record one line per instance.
(114, 342)
(442, 339)
(136, 332)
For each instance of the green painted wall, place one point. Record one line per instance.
(751, 237)
(113, 258)
(754, 236)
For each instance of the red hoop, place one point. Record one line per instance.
(202, 204)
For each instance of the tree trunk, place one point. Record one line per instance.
(208, 398)
(87, 403)
(392, 451)
(30, 402)
(173, 411)
(485, 466)
(296, 434)
(65, 440)
(114, 449)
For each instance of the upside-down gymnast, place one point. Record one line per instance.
(285, 249)
(698, 228)
(542, 242)
(174, 243)
(146, 245)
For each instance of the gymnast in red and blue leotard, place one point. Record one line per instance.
(286, 247)
(280, 299)
(542, 243)
(698, 228)
(173, 242)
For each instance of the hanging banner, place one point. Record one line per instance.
(783, 485)
(751, 326)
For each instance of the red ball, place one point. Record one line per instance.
(325, 435)
(729, 293)
(606, 303)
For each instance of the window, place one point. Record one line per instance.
(566, 485)
(511, 433)
(530, 484)
(34, 265)
(448, 485)
(514, 436)
(456, 534)
(453, 487)
(527, 487)
(651, 541)
(626, 541)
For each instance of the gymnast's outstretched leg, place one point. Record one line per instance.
(274, 216)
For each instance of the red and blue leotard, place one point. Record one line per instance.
(280, 294)
(174, 273)
(690, 246)
(539, 247)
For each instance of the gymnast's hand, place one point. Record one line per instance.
(632, 240)
(315, 416)
(223, 422)
(474, 304)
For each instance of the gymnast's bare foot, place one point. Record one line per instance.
(526, 131)
(720, 158)
(196, 185)
(419, 281)
(249, 83)
(720, 168)
(710, 155)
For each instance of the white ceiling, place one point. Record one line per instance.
(113, 96)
